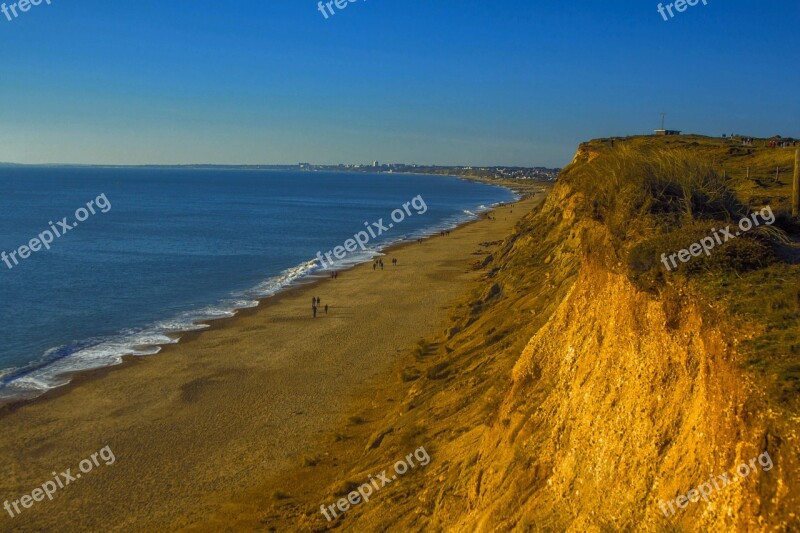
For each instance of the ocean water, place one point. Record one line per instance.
(176, 248)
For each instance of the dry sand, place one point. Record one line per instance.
(206, 420)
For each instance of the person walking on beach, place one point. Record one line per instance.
(314, 310)
(319, 301)
(374, 266)
(313, 301)
(326, 309)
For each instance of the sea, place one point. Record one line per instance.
(159, 252)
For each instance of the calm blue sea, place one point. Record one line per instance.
(177, 248)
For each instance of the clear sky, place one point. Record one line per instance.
(512, 82)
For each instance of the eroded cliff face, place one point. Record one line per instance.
(619, 402)
(623, 401)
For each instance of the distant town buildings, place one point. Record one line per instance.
(667, 132)
(516, 173)
(519, 173)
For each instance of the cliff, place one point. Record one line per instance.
(626, 399)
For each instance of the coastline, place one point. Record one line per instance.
(46, 378)
(305, 283)
(241, 400)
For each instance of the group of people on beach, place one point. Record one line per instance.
(379, 263)
(316, 304)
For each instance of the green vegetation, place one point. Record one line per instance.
(659, 195)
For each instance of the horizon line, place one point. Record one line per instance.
(241, 165)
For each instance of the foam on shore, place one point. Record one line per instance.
(52, 369)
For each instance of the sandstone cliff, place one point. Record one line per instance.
(625, 399)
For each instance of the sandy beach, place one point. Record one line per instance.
(198, 424)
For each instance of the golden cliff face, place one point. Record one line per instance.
(620, 402)
(624, 401)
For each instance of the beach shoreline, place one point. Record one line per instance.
(82, 375)
(239, 401)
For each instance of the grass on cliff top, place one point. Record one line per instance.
(658, 195)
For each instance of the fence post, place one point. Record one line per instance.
(796, 186)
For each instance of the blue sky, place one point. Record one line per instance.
(478, 82)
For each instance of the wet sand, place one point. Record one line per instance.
(198, 424)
